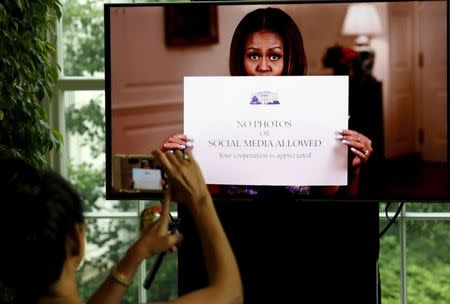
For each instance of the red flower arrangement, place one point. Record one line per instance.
(349, 55)
(340, 59)
(347, 61)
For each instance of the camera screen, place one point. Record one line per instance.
(136, 174)
(146, 179)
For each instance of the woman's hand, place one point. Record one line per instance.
(155, 237)
(184, 178)
(360, 145)
(176, 142)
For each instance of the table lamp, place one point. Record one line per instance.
(363, 21)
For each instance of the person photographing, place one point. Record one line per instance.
(43, 231)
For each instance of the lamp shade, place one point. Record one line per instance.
(362, 19)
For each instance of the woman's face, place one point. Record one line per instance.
(264, 54)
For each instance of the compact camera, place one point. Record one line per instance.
(136, 173)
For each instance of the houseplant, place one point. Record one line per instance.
(339, 58)
(346, 60)
(28, 73)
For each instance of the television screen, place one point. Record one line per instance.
(359, 112)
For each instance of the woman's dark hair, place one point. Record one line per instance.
(38, 210)
(273, 20)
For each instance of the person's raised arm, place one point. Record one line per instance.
(361, 147)
(154, 239)
(188, 187)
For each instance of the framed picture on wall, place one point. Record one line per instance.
(187, 25)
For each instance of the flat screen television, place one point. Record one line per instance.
(392, 74)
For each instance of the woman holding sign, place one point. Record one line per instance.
(267, 42)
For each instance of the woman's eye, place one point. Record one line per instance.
(253, 56)
(274, 57)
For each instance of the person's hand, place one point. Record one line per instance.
(176, 142)
(155, 237)
(360, 145)
(131, 183)
(184, 177)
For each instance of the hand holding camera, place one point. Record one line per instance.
(184, 177)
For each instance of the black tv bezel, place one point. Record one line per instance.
(110, 195)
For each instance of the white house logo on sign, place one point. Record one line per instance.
(264, 98)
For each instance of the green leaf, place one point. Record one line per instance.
(16, 25)
(28, 72)
(20, 4)
(2, 12)
(58, 135)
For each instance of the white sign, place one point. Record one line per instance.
(271, 130)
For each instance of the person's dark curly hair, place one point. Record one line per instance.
(38, 210)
